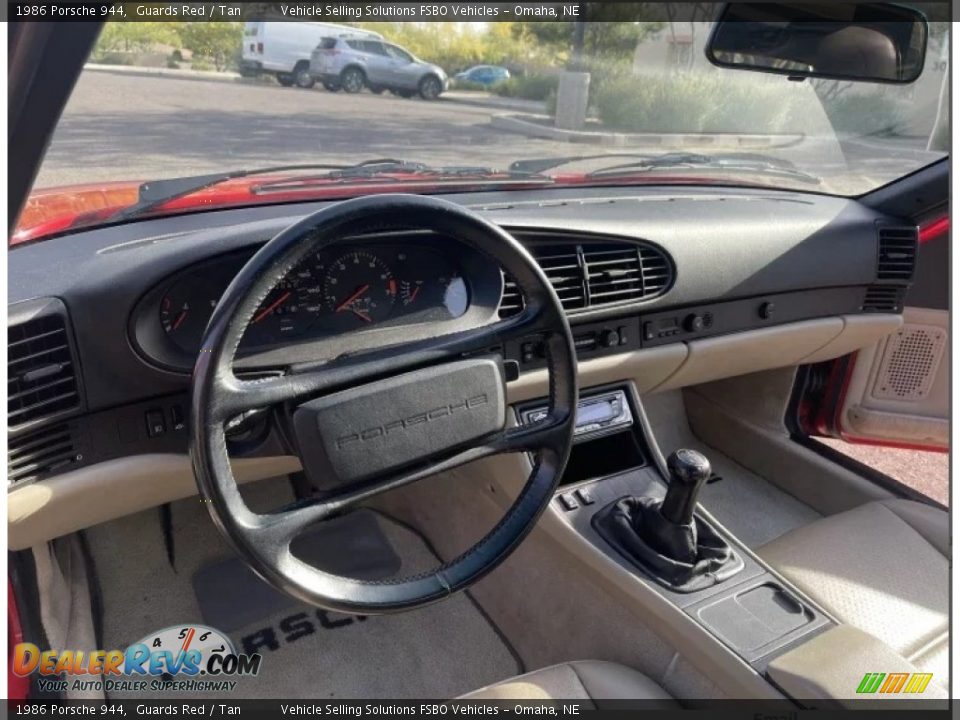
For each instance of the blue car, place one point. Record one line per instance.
(486, 75)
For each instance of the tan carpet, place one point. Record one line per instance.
(441, 651)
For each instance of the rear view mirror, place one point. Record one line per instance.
(874, 42)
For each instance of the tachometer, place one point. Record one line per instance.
(360, 289)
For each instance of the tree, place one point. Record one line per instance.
(217, 41)
(611, 31)
(132, 37)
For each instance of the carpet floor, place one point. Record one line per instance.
(441, 651)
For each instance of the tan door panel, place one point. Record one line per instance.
(898, 387)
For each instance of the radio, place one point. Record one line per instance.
(597, 415)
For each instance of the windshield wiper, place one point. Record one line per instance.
(157, 193)
(734, 162)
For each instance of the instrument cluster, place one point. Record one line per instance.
(333, 291)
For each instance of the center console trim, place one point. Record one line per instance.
(650, 479)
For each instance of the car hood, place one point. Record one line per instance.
(56, 210)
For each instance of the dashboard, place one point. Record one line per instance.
(653, 276)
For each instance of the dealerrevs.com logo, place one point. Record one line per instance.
(181, 658)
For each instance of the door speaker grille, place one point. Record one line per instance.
(910, 362)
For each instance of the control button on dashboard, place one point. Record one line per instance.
(156, 423)
(609, 338)
(176, 415)
(584, 496)
(693, 322)
(567, 502)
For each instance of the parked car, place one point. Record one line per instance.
(352, 63)
(486, 75)
(283, 49)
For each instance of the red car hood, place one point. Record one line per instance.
(55, 210)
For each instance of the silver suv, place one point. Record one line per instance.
(350, 63)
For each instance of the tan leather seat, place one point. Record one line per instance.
(882, 567)
(584, 680)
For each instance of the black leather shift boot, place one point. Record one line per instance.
(684, 558)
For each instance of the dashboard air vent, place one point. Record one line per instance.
(596, 274)
(40, 369)
(883, 298)
(616, 273)
(563, 268)
(897, 253)
(511, 302)
(36, 454)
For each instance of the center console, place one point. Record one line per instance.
(641, 511)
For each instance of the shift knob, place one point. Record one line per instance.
(689, 470)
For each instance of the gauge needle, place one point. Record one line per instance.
(346, 303)
(273, 306)
(362, 315)
(186, 642)
(179, 320)
(413, 295)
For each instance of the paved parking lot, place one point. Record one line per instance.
(120, 125)
(125, 126)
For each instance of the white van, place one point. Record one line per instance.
(283, 48)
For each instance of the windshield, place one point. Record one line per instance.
(631, 92)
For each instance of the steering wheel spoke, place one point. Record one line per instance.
(549, 432)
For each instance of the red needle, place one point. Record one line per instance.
(273, 306)
(345, 304)
(413, 295)
(180, 318)
(362, 315)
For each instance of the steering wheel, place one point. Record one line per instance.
(375, 420)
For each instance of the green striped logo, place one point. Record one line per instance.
(894, 683)
(871, 682)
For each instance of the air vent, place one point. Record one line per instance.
(564, 270)
(617, 273)
(511, 302)
(897, 253)
(883, 298)
(40, 369)
(37, 454)
(596, 274)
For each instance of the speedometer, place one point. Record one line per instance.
(359, 289)
(289, 310)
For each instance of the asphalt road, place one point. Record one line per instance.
(128, 127)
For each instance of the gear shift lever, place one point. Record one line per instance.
(664, 537)
(689, 470)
